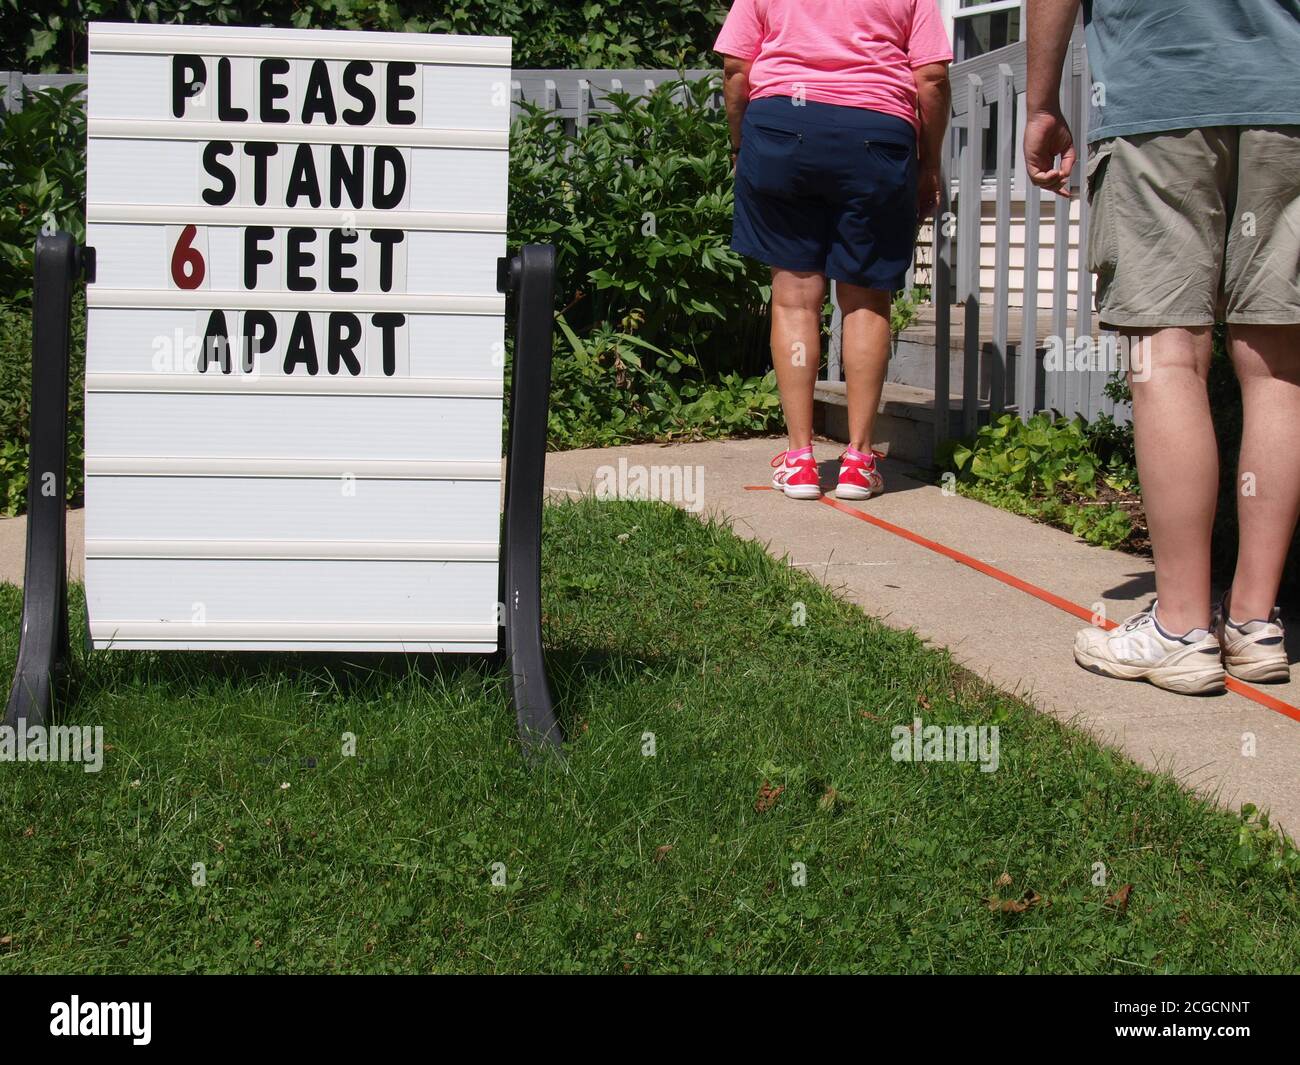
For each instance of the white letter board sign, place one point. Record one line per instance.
(295, 340)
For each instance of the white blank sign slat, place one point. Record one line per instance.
(272, 426)
(277, 448)
(306, 590)
(281, 508)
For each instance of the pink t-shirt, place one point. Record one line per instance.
(856, 53)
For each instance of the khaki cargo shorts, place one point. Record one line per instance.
(1196, 226)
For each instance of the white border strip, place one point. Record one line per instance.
(319, 217)
(291, 468)
(264, 384)
(298, 550)
(246, 41)
(202, 299)
(175, 129)
(304, 631)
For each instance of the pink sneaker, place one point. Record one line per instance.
(859, 478)
(797, 479)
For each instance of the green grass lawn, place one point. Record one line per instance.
(614, 860)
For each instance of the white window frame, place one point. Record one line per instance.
(989, 7)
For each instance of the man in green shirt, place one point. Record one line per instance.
(1193, 180)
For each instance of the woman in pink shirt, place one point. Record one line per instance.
(838, 110)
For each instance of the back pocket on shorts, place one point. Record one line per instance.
(888, 175)
(769, 158)
(899, 153)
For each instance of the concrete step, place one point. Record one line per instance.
(911, 362)
(904, 428)
(922, 328)
(912, 351)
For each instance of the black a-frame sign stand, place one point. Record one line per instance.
(530, 278)
(43, 652)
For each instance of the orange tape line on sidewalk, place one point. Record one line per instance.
(1240, 687)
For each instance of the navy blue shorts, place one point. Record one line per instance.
(826, 189)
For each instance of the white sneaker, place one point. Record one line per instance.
(798, 479)
(1253, 650)
(859, 478)
(1140, 649)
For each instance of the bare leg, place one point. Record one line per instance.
(797, 299)
(1267, 361)
(865, 348)
(1178, 465)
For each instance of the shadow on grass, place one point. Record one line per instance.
(176, 675)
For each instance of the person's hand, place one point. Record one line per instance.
(927, 191)
(734, 153)
(1047, 135)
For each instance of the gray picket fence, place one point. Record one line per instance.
(15, 85)
(575, 95)
(1013, 365)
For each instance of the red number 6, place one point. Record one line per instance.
(187, 264)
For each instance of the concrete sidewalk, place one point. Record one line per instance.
(13, 550)
(1016, 641)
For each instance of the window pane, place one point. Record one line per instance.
(977, 34)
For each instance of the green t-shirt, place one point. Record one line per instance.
(1177, 64)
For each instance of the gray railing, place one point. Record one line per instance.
(1004, 371)
(576, 95)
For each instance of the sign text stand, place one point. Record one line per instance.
(43, 656)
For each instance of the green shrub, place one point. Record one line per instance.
(50, 35)
(15, 404)
(43, 184)
(42, 152)
(1106, 525)
(1039, 457)
(613, 387)
(639, 207)
(663, 332)
(1051, 468)
(904, 309)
